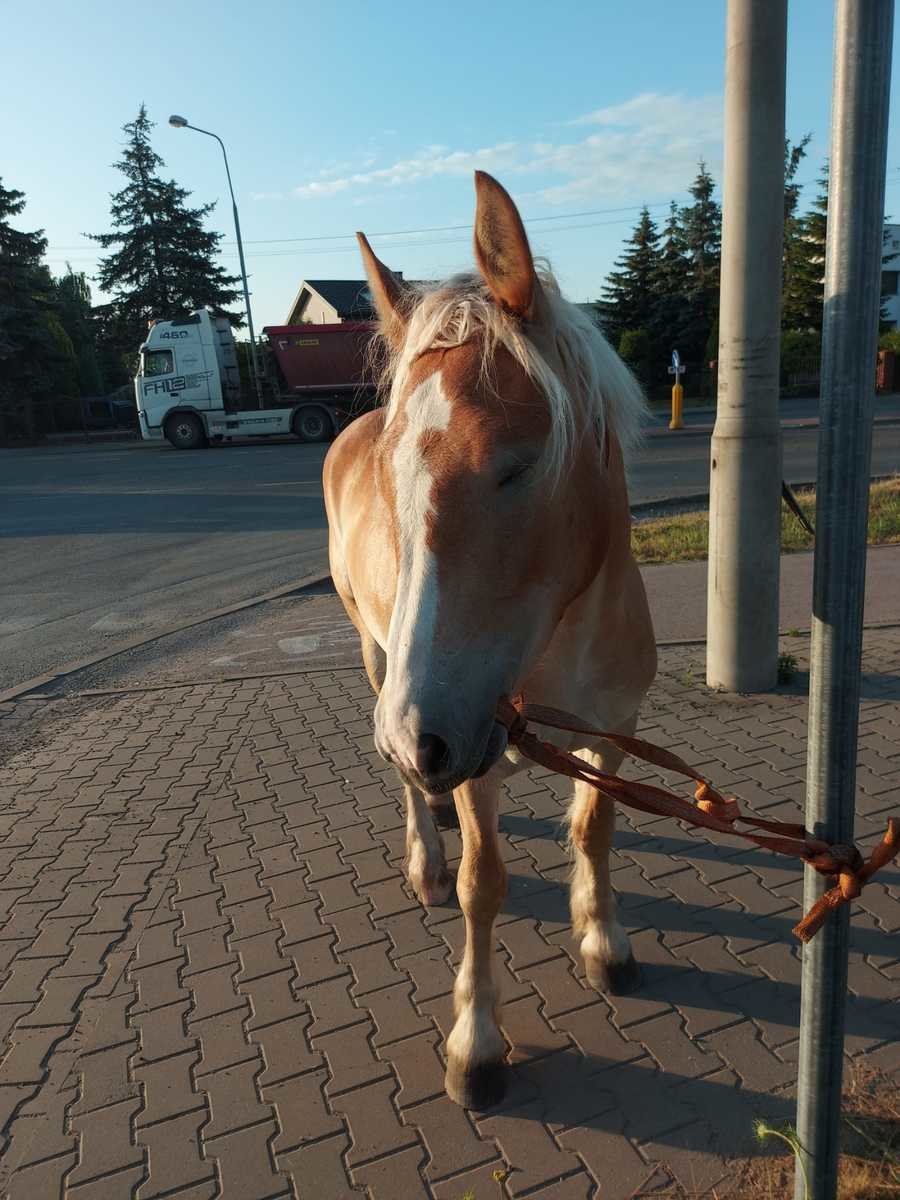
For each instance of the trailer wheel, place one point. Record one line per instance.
(185, 432)
(312, 425)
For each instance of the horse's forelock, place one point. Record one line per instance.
(589, 381)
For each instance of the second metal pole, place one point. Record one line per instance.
(859, 124)
(745, 464)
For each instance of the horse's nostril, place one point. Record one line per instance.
(432, 755)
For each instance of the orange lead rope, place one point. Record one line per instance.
(711, 811)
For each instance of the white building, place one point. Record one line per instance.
(890, 275)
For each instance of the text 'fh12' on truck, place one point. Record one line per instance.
(313, 380)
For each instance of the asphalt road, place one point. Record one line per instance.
(103, 543)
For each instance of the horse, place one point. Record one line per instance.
(479, 539)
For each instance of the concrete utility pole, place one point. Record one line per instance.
(745, 465)
(859, 126)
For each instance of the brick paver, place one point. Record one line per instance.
(214, 979)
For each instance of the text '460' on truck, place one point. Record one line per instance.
(314, 379)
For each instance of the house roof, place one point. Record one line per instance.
(349, 297)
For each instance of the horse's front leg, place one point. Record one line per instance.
(608, 960)
(476, 1049)
(426, 865)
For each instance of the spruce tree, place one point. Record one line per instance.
(670, 283)
(73, 299)
(702, 230)
(809, 275)
(794, 243)
(162, 259)
(628, 301)
(33, 357)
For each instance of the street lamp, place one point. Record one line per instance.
(183, 123)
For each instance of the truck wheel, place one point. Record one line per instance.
(313, 425)
(185, 432)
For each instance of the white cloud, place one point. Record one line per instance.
(428, 163)
(646, 146)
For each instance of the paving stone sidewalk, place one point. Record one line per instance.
(214, 979)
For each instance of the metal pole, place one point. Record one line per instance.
(254, 369)
(745, 458)
(859, 123)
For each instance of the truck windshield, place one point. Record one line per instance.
(158, 362)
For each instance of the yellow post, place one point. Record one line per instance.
(677, 404)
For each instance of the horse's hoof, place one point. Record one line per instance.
(480, 1087)
(445, 815)
(438, 892)
(618, 979)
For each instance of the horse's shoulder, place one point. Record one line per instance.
(351, 447)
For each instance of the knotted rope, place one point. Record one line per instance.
(712, 810)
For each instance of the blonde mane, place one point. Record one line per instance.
(590, 387)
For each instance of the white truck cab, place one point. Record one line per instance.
(188, 388)
(188, 377)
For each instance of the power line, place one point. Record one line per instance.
(335, 237)
(411, 233)
(353, 249)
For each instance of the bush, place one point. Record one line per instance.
(799, 347)
(890, 341)
(635, 349)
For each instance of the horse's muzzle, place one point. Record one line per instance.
(439, 773)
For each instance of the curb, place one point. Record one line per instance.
(128, 689)
(670, 503)
(52, 677)
(662, 430)
(782, 633)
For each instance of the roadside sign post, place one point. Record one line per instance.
(677, 370)
(859, 124)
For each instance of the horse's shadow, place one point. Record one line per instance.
(591, 1103)
(569, 1091)
(548, 902)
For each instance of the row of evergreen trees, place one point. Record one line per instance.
(54, 346)
(663, 292)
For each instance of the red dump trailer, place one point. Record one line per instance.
(321, 358)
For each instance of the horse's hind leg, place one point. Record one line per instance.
(608, 960)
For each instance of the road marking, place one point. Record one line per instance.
(296, 646)
(117, 623)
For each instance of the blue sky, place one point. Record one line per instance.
(356, 115)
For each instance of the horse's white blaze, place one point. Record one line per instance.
(414, 618)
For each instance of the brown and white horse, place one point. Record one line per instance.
(480, 542)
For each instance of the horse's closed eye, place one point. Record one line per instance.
(513, 474)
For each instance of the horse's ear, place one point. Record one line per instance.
(387, 293)
(501, 248)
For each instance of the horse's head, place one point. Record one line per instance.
(495, 460)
